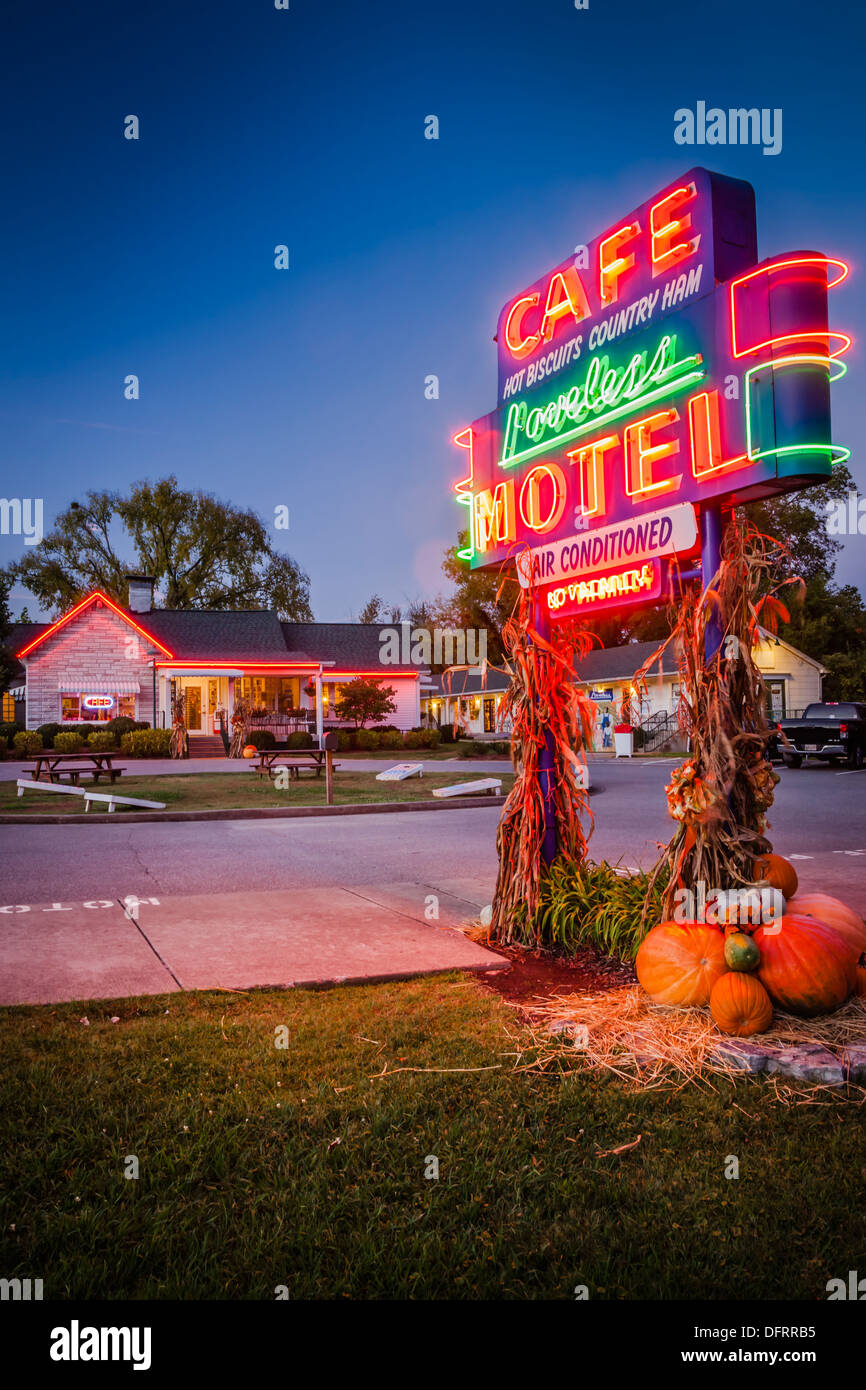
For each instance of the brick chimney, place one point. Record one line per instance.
(140, 593)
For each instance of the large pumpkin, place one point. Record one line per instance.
(836, 914)
(740, 1005)
(250, 751)
(777, 872)
(806, 967)
(678, 963)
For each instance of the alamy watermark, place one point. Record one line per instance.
(847, 516)
(759, 906)
(736, 126)
(21, 516)
(439, 646)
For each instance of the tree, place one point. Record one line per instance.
(365, 698)
(7, 664)
(202, 552)
(372, 610)
(476, 601)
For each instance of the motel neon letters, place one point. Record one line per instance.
(662, 369)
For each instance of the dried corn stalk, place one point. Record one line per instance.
(543, 698)
(721, 794)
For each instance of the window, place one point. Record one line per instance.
(260, 692)
(489, 715)
(106, 705)
(290, 693)
(8, 708)
(775, 699)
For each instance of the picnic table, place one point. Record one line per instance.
(72, 765)
(293, 758)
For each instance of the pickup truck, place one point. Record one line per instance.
(830, 732)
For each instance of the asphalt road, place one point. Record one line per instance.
(819, 820)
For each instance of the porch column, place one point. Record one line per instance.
(319, 712)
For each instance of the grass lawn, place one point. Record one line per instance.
(261, 1167)
(443, 753)
(214, 790)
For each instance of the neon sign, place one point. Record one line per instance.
(661, 369)
(98, 701)
(607, 590)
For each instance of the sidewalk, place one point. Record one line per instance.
(103, 948)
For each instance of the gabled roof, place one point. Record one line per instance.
(95, 597)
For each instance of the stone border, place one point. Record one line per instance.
(810, 1062)
(252, 812)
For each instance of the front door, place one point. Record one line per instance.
(194, 711)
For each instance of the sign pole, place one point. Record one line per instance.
(711, 559)
(329, 777)
(546, 762)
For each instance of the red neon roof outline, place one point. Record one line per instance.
(96, 595)
(821, 333)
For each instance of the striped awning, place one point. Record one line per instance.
(17, 692)
(106, 687)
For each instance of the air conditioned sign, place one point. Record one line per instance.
(659, 370)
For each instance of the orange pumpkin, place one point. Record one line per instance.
(806, 967)
(778, 872)
(678, 963)
(836, 914)
(250, 751)
(740, 1005)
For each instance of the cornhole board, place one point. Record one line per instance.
(400, 772)
(486, 784)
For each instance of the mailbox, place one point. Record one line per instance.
(328, 741)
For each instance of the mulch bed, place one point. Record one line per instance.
(535, 976)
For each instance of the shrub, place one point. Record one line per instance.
(471, 748)
(447, 733)
(591, 904)
(146, 743)
(48, 732)
(27, 741)
(365, 739)
(101, 742)
(501, 746)
(85, 730)
(412, 739)
(122, 724)
(260, 738)
(300, 739)
(9, 728)
(4, 744)
(68, 742)
(391, 738)
(344, 741)
(422, 738)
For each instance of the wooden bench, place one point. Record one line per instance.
(25, 785)
(485, 784)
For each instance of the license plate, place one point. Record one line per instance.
(810, 747)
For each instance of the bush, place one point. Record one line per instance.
(391, 738)
(68, 742)
(9, 728)
(446, 733)
(344, 741)
(101, 742)
(122, 724)
(85, 730)
(4, 744)
(260, 738)
(300, 739)
(365, 739)
(146, 743)
(422, 738)
(27, 741)
(48, 732)
(471, 748)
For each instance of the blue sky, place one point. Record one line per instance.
(305, 388)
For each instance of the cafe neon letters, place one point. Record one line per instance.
(664, 370)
